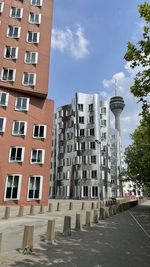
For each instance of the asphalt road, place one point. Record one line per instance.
(122, 240)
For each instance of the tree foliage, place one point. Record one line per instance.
(139, 56)
(137, 155)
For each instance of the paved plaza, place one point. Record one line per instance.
(120, 240)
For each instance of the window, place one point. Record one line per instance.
(103, 135)
(1, 7)
(91, 119)
(68, 161)
(33, 37)
(94, 174)
(84, 174)
(94, 191)
(8, 75)
(92, 131)
(34, 18)
(16, 13)
(29, 79)
(69, 148)
(84, 159)
(91, 107)
(12, 188)
(36, 2)
(82, 132)
(37, 156)
(92, 145)
(10, 52)
(81, 119)
(13, 31)
(103, 122)
(2, 124)
(69, 135)
(85, 191)
(39, 131)
(83, 146)
(80, 107)
(19, 128)
(35, 187)
(22, 104)
(93, 159)
(103, 110)
(31, 57)
(4, 99)
(16, 154)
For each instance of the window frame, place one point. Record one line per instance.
(16, 10)
(13, 75)
(13, 28)
(11, 52)
(18, 190)
(28, 78)
(4, 124)
(6, 100)
(25, 128)
(38, 5)
(27, 104)
(40, 188)
(22, 154)
(43, 156)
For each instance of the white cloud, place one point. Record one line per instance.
(72, 41)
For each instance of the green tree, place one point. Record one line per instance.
(137, 156)
(139, 56)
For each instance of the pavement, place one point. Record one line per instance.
(122, 240)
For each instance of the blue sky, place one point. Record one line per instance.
(89, 40)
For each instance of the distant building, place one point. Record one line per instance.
(25, 112)
(81, 149)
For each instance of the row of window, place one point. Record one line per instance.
(86, 191)
(9, 75)
(12, 53)
(16, 154)
(37, 3)
(80, 107)
(77, 160)
(14, 32)
(21, 103)
(19, 128)
(85, 174)
(13, 187)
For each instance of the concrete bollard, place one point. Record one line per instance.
(67, 225)
(95, 216)
(107, 212)
(88, 218)
(50, 207)
(1, 236)
(78, 222)
(27, 242)
(111, 210)
(114, 209)
(21, 211)
(98, 205)
(31, 210)
(41, 209)
(70, 206)
(58, 206)
(7, 213)
(102, 214)
(92, 206)
(83, 206)
(51, 230)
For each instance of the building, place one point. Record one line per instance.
(26, 115)
(81, 149)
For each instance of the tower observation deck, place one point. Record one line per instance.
(117, 105)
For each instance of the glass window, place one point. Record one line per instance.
(19, 128)
(35, 187)
(4, 99)
(13, 31)
(37, 156)
(39, 131)
(16, 13)
(31, 57)
(29, 79)
(1, 7)
(2, 124)
(34, 18)
(22, 104)
(94, 191)
(37, 3)
(33, 37)
(8, 75)
(12, 189)
(16, 154)
(10, 52)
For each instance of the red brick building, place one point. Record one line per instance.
(26, 115)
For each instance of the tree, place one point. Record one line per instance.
(137, 156)
(139, 56)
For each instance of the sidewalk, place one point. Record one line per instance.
(117, 241)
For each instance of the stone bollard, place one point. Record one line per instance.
(27, 243)
(58, 206)
(7, 213)
(114, 209)
(88, 218)
(41, 209)
(95, 216)
(83, 206)
(70, 206)
(50, 207)
(21, 211)
(98, 205)
(111, 211)
(78, 222)
(1, 236)
(92, 206)
(107, 212)
(67, 225)
(31, 210)
(51, 230)
(102, 214)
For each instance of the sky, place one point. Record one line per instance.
(89, 40)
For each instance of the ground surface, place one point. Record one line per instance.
(122, 240)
